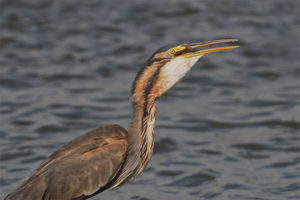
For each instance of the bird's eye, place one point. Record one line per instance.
(172, 51)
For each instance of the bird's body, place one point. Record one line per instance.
(110, 156)
(61, 177)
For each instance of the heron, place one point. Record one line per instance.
(110, 156)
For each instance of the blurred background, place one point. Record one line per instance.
(229, 130)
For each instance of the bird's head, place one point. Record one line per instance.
(168, 65)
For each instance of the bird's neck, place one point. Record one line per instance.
(142, 127)
(145, 90)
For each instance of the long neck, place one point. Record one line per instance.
(141, 140)
(152, 81)
(142, 128)
(143, 96)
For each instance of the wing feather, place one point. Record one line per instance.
(78, 169)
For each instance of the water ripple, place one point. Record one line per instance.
(194, 180)
(228, 130)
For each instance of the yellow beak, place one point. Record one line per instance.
(193, 52)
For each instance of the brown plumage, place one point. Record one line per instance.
(110, 156)
(61, 176)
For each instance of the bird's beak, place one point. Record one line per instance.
(193, 49)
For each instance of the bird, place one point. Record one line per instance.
(110, 156)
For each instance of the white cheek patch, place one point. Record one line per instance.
(176, 69)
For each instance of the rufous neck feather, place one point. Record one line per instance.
(151, 83)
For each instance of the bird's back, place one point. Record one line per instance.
(80, 168)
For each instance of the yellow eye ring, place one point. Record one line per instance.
(172, 51)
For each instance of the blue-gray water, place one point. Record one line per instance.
(230, 130)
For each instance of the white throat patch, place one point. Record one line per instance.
(176, 69)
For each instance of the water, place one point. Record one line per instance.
(229, 130)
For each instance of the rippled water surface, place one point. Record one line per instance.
(229, 130)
